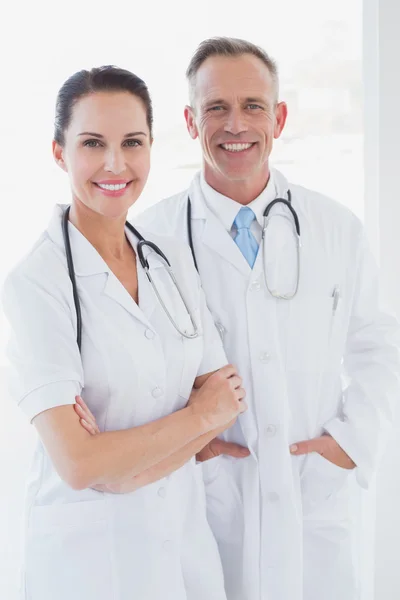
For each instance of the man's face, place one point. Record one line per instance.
(236, 117)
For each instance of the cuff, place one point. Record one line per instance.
(60, 393)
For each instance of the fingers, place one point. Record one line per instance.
(243, 405)
(82, 403)
(235, 381)
(307, 446)
(87, 419)
(229, 448)
(89, 428)
(227, 371)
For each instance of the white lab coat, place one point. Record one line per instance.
(282, 522)
(85, 545)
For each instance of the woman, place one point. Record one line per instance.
(134, 367)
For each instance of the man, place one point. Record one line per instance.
(290, 317)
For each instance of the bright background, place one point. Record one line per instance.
(319, 49)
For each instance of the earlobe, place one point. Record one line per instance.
(191, 122)
(58, 155)
(280, 118)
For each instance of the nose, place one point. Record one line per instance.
(236, 122)
(115, 161)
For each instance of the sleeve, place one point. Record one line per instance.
(45, 364)
(214, 356)
(371, 362)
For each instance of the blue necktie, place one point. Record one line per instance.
(244, 239)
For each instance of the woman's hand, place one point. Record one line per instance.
(211, 450)
(220, 398)
(86, 418)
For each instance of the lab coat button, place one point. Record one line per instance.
(270, 430)
(157, 392)
(273, 497)
(162, 492)
(168, 545)
(255, 286)
(264, 357)
(149, 334)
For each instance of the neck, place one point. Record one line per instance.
(105, 234)
(241, 191)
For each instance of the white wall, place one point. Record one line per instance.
(382, 217)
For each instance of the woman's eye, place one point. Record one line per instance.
(133, 143)
(92, 143)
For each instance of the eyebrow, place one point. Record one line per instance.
(256, 100)
(249, 99)
(101, 137)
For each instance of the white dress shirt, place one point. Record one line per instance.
(226, 209)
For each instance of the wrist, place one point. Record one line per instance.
(204, 421)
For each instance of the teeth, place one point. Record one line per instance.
(236, 147)
(112, 187)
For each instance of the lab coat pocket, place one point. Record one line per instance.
(324, 488)
(68, 552)
(309, 328)
(224, 502)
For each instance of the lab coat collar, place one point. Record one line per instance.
(214, 235)
(88, 262)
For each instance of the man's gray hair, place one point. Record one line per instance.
(227, 46)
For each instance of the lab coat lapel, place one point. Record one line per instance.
(213, 235)
(219, 240)
(116, 291)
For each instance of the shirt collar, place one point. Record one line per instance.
(226, 209)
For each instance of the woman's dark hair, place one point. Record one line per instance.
(100, 79)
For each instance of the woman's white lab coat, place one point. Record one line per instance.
(282, 522)
(85, 545)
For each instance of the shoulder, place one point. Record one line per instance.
(176, 251)
(325, 212)
(164, 216)
(43, 267)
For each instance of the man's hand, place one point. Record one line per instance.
(217, 447)
(327, 447)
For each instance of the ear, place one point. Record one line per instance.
(280, 118)
(191, 122)
(58, 154)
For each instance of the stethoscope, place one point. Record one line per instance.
(142, 243)
(266, 220)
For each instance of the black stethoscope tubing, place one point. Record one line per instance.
(287, 203)
(70, 263)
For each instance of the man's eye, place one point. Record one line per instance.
(254, 106)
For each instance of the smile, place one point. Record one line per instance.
(237, 147)
(113, 189)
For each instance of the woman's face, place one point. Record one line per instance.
(106, 152)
